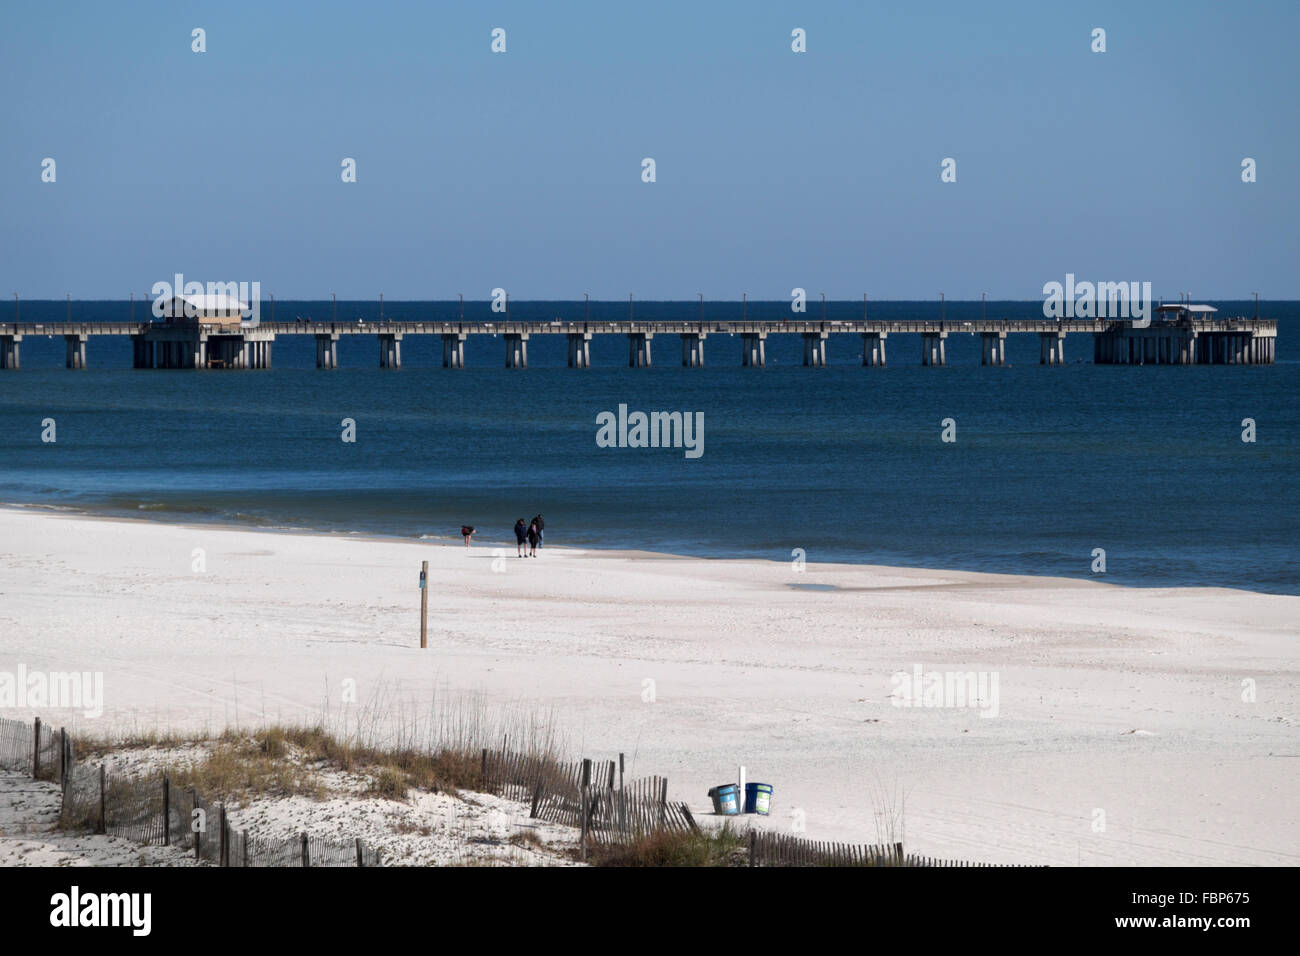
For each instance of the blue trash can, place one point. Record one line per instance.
(726, 799)
(758, 798)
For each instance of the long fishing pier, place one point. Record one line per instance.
(185, 344)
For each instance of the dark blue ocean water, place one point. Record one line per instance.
(845, 462)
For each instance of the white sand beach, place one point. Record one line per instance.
(1110, 700)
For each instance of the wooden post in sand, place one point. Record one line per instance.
(424, 604)
(586, 785)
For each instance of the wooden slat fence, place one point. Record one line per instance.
(767, 848)
(782, 849)
(586, 794)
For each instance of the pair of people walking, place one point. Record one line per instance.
(529, 534)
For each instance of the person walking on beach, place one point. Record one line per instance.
(541, 529)
(521, 537)
(534, 536)
(468, 531)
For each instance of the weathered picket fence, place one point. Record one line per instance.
(782, 849)
(767, 848)
(590, 795)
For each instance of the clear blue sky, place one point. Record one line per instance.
(775, 169)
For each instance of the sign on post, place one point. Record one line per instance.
(424, 604)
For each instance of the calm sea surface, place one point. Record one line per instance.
(844, 462)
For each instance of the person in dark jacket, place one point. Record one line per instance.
(521, 537)
(467, 530)
(541, 529)
(533, 537)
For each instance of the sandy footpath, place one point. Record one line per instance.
(1121, 734)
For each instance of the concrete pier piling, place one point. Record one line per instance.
(141, 352)
(753, 349)
(932, 348)
(814, 349)
(1208, 344)
(693, 349)
(873, 348)
(9, 350)
(579, 350)
(327, 350)
(1051, 348)
(390, 350)
(74, 350)
(516, 349)
(638, 349)
(993, 348)
(453, 349)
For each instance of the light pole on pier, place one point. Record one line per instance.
(864, 307)
(823, 307)
(335, 299)
(69, 306)
(744, 306)
(461, 296)
(1256, 295)
(629, 306)
(943, 307)
(701, 295)
(15, 307)
(982, 309)
(272, 295)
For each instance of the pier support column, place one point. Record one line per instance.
(873, 348)
(932, 348)
(390, 350)
(517, 350)
(453, 349)
(1051, 348)
(693, 349)
(9, 350)
(327, 350)
(993, 348)
(579, 350)
(753, 353)
(74, 352)
(814, 349)
(638, 349)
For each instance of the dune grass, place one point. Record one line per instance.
(709, 848)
